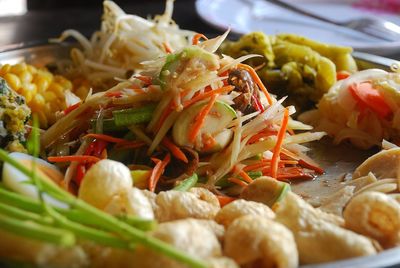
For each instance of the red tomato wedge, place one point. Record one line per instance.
(370, 98)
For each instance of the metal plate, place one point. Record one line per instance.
(337, 160)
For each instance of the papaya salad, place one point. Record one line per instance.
(154, 146)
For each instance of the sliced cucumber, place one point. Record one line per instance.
(175, 64)
(221, 114)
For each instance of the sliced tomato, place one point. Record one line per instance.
(342, 75)
(370, 97)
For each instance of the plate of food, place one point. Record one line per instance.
(244, 16)
(148, 145)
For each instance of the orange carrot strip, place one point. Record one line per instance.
(255, 166)
(260, 135)
(279, 141)
(207, 95)
(164, 115)
(224, 200)
(258, 81)
(237, 181)
(245, 176)
(146, 79)
(290, 154)
(116, 94)
(197, 37)
(157, 171)
(130, 145)
(73, 158)
(174, 150)
(105, 137)
(201, 118)
(167, 48)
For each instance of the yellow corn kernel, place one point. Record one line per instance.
(25, 76)
(28, 96)
(49, 96)
(13, 81)
(32, 69)
(37, 102)
(5, 69)
(45, 74)
(42, 83)
(57, 89)
(18, 68)
(66, 84)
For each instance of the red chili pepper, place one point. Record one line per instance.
(99, 146)
(71, 108)
(80, 173)
(257, 104)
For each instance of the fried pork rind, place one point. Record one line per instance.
(264, 189)
(104, 180)
(384, 164)
(239, 208)
(319, 240)
(174, 205)
(376, 215)
(254, 240)
(131, 202)
(188, 235)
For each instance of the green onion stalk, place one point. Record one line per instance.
(18, 214)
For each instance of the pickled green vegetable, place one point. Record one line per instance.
(294, 66)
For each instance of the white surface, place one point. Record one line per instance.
(244, 16)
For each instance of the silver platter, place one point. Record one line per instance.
(332, 158)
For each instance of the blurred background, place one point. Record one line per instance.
(30, 21)
(38, 20)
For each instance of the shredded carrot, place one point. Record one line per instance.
(73, 158)
(146, 79)
(255, 166)
(208, 94)
(201, 118)
(71, 108)
(311, 165)
(157, 171)
(258, 81)
(114, 94)
(289, 154)
(175, 150)
(105, 137)
(245, 176)
(130, 145)
(279, 141)
(165, 113)
(237, 181)
(224, 200)
(197, 37)
(262, 134)
(167, 48)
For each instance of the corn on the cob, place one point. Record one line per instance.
(43, 91)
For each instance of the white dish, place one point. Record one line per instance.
(244, 16)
